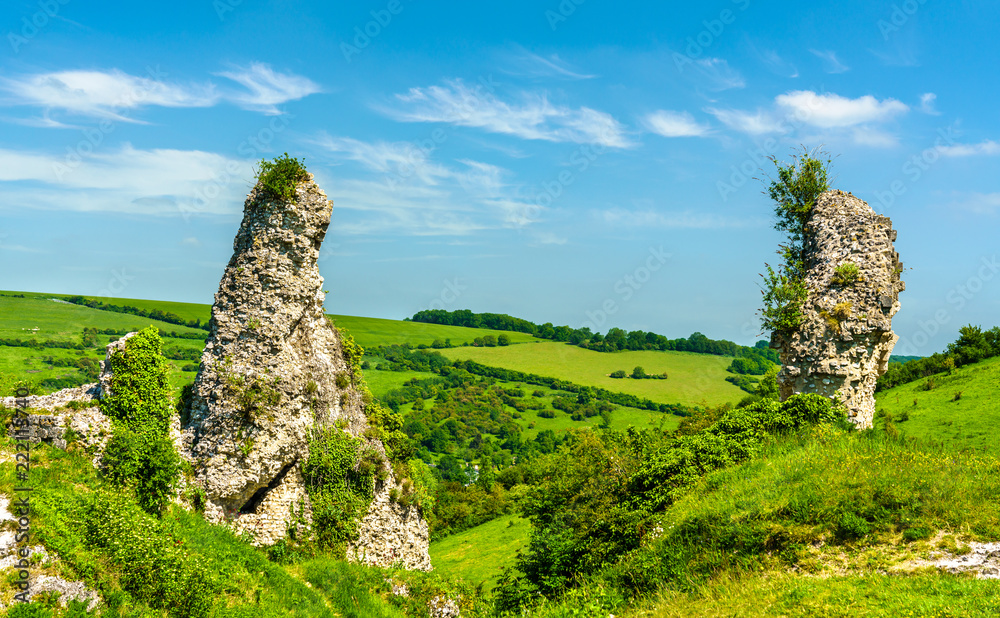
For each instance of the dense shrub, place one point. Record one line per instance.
(597, 496)
(140, 454)
(279, 177)
(339, 489)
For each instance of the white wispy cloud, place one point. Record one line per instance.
(674, 124)
(127, 180)
(771, 59)
(687, 219)
(985, 147)
(524, 63)
(407, 192)
(834, 115)
(927, 104)
(873, 136)
(267, 87)
(830, 110)
(401, 159)
(533, 117)
(978, 203)
(113, 94)
(831, 64)
(753, 123)
(716, 74)
(104, 93)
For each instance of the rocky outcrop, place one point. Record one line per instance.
(85, 419)
(844, 342)
(274, 370)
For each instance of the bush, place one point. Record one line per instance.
(279, 177)
(619, 374)
(154, 567)
(794, 193)
(140, 454)
(339, 490)
(846, 274)
(148, 464)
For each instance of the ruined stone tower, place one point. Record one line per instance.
(844, 342)
(273, 370)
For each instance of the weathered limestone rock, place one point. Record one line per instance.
(273, 370)
(844, 343)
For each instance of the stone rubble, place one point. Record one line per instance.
(844, 342)
(39, 582)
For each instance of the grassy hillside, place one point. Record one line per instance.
(478, 555)
(37, 316)
(961, 409)
(694, 379)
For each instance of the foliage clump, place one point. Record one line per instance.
(598, 498)
(846, 274)
(339, 488)
(140, 454)
(279, 177)
(794, 193)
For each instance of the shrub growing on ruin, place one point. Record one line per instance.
(794, 193)
(338, 489)
(846, 274)
(279, 177)
(140, 454)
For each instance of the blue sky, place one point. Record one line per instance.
(582, 162)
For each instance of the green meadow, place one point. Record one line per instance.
(961, 409)
(693, 379)
(478, 555)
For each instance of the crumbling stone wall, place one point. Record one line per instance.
(273, 371)
(844, 342)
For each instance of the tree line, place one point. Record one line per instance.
(615, 340)
(973, 345)
(155, 314)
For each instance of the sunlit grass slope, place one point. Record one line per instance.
(694, 379)
(962, 409)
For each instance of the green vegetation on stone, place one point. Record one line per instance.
(794, 193)
(279, 177)
(140, 454)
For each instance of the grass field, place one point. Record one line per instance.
(366, 331)
(19, 317)
(694, 379)
(968, 422)
(479, 554)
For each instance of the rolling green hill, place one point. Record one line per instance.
(368, 332)
(479, 554)
(694, 379)
(961, 409)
